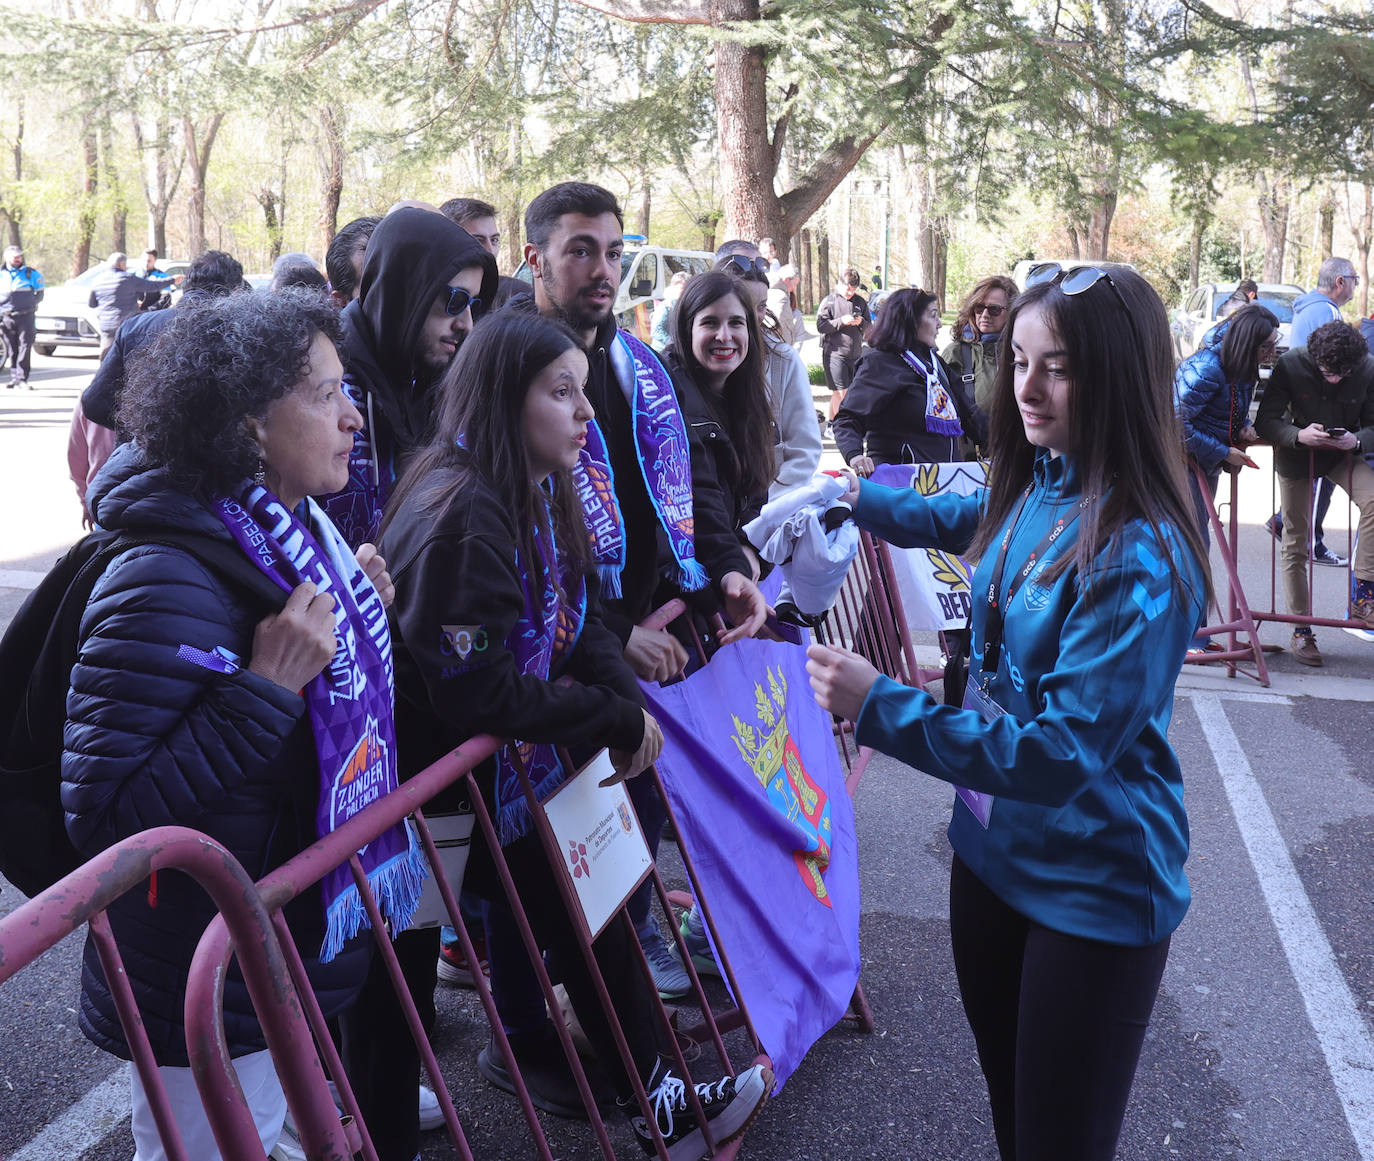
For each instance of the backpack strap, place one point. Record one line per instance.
(966, 357)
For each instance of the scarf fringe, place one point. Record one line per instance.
(937, 426)
(514, 819)
(396, 884)
(609, 575)
(691, 575)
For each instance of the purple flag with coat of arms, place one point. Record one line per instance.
(751, 768)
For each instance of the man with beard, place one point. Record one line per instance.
(573, 248)
(425, 282)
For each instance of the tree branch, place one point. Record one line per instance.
(820, 181)
(652, 11)
(780, 126)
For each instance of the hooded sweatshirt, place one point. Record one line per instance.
(1310, 311)
(412, 255)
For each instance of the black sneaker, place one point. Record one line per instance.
(1323, 555)
(545, 1069)
(730, 1105)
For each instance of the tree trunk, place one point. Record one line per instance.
(748, 163)
(160, 180)
(1273, 207)
(823, 280)
(331, 173)
(120, 211)
(645, 205)
(11, 214)
(1195, 249)
(90, 181)
(269, 201)
(807, 288)
(1326, 226)
(198, 148)
(1100, 225)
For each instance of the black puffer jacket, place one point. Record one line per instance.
(152, 740)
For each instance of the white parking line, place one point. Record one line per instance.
(1341, 1031)
(84, 1125)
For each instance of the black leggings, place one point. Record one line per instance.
(1059, 1023)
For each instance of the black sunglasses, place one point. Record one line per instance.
(460, 300)
(746, 266)
(1073, 281)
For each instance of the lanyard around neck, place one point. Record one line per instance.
(1000, 600)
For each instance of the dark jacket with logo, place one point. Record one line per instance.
(1298, 394)
(884, 414)
(847, 341)
(154, 740)
(412, 255)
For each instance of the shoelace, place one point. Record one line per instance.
(671, 1096)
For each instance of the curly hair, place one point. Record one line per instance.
(1337, 347)
(222, 360)
(964, 320)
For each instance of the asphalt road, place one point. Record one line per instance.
(1260, 1046)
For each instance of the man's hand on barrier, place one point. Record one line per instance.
(655, 654)
(840, 679)
(374, 564)
(863, 466)
(744, 604)
(629, 765)
(1235, 458)
(1248, 435)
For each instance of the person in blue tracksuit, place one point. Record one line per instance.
(1069, 831)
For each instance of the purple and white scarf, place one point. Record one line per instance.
(350, 703)
(550, 623)
(942, 417)
(665, 461)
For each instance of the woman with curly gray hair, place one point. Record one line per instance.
(216, 654)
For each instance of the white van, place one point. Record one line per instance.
(645, 272)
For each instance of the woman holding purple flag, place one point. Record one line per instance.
(234, 675)
(1069, 830)
(499, 632)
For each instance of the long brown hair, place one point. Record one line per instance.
(481, 398)
(1126, 436)
(749, 420)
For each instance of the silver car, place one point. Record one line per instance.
(1200, 311)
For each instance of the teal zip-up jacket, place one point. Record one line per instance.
(1088, 834)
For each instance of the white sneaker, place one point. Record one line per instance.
(431, 1114)
(288, 1146)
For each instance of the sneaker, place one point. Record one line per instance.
(670, 977)
(1305, 649)
(453, 968)
(1323, 555)
(288, 1146)
(1362, 609)
(544, 1068)
(693, 930)
(1274, 526)
(730, 1106)
(431, 1114)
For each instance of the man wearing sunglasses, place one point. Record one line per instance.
(843, 322)
(424, 283)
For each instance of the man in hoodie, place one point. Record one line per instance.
(425, 282)
(1336, 283)
(117, 294)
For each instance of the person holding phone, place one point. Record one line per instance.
(1069, 830)
(1318, 412)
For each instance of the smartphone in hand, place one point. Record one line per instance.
(1337, 432)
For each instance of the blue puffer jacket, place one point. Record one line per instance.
(1087, 833)
(1212, 410)
(152, 740)
(1367, 329)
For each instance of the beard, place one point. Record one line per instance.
(574, 309)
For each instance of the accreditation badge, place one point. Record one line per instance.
(976, 698)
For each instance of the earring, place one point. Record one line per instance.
(260, 475)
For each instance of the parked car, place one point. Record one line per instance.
(65, 317)
(1200, 309)
(645, 272)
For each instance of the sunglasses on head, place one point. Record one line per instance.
(460, 300)
(1075, 280)
(745, 266)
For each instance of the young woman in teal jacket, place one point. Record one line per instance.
(1069, 831)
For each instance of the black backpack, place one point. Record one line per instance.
(37, 653)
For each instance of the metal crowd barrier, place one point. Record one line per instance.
(1244, 652)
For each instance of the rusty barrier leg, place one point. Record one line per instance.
(1239, 619)
(84, 895)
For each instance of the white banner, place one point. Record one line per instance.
(603, 849)
(933, 585)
